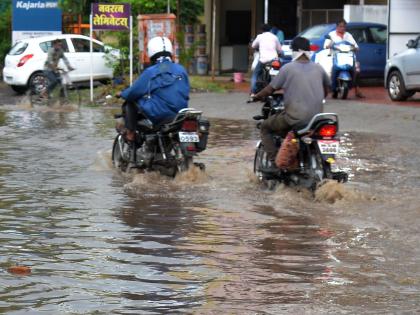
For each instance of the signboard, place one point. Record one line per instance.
(34, 18)
(404, 24)
(111, 17)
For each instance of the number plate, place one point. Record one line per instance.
(188, 137)
(274, 72)
(328, 146)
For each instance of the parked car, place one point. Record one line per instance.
(25, 60)
(371, 38)
(402, 72)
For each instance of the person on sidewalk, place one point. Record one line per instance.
(269, 48)
(336, 36)
(305, 86)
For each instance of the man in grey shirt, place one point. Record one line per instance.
(305, 85)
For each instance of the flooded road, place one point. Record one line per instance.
(101, 242)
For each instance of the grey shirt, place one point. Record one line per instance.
(303, 84)
(54, 56)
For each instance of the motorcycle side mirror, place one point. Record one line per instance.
(411, 44)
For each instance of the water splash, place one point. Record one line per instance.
(331, 191)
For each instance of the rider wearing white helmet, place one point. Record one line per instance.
(160, 91)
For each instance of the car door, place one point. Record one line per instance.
(365, 53)
(412, 66)
(83, 59)
(377, 36)
(79, 58)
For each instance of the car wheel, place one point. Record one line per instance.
(396, 87)
(38, 82)
(19, 89)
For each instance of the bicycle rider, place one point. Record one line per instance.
(51, 70)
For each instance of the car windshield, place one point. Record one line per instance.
(18, 48)
(315, 32)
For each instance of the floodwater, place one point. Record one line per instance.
(101, 242)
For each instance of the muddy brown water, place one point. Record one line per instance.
(101, 242)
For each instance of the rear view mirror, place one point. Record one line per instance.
(411, 44)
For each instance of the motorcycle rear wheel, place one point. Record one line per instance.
(320, 169)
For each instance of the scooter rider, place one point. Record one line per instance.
(160, 91)
(336, 36)
(305, 86)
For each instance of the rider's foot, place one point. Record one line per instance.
(44, 94)
(359, 94)
(271, 168)
(130, 135)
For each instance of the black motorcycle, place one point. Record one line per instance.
(167, 148)
(317, 146)
(269, 71)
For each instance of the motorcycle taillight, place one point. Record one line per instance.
(275, 64)
(189, 125)
(327, 131)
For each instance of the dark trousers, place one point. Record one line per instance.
(275, 124)
(131, 114)
(53, 79)
(254, 78)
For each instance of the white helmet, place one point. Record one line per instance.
(159, 45)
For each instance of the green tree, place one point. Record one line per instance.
(5, 29)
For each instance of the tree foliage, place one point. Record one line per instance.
(5, 28)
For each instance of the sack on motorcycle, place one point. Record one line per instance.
(287, 155)
(203, 128)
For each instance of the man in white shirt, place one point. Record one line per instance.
(269, 48)
(337, 36)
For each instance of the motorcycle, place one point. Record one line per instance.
(167, 148)
(317, 146)
(344, 63)
(269, 71)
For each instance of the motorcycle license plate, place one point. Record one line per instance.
(328, 146)
(188, 137)
(274, 72)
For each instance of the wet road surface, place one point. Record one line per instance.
(98, 241)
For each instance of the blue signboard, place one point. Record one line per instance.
(35, 17)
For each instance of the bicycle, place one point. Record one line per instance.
(38, 92)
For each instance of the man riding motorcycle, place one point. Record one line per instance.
(160, 91)
(269, 48)
(336, 36)
(305, 86)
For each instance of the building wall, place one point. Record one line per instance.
(366, 13)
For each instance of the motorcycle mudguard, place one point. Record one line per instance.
(344, 76)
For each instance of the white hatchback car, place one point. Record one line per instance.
(402, 72)
(25, 61)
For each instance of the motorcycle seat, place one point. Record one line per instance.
(315, 120)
